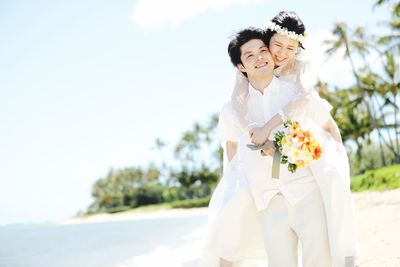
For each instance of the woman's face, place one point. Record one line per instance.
(282, 49)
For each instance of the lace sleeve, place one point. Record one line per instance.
(239, 100)
(227, 125)
(297, 72)
(318, 109)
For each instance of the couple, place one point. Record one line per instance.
(252, 215)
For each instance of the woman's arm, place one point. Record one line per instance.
(259, 135)
(332, 128)
(239, 100)
(231, 149)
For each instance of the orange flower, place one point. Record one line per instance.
(317, 152)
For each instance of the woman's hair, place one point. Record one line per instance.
(289, 20)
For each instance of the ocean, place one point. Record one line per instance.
(138, 243)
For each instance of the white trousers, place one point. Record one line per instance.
(284, 225)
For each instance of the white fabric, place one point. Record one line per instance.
(261, 108)
(318, 109)
(234, 231)
(285, 224)
(332, 173)
(227, 124)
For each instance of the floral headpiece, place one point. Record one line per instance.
(284, 31)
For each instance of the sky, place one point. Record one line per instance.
(86, 86)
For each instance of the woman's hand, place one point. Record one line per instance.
(259, 135)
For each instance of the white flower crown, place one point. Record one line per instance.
(284, 31)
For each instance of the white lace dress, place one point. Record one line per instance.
(234, 232)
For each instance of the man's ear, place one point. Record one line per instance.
(241, 67)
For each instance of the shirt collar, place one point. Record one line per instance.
(267, 89)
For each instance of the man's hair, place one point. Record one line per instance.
(239, 39)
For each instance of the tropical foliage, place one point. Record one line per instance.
(378, 180)
(368, 109)
(186, 179)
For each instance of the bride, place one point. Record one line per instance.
(235, 236)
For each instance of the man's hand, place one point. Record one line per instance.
(268, 152)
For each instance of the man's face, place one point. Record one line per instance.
(256, 59)
(282, 49)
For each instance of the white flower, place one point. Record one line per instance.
(284, 31)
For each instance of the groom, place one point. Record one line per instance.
(298, 206)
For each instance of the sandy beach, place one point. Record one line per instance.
(378, 220)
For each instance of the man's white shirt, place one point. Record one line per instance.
(261, 108)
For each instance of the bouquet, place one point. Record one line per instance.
(297, 147)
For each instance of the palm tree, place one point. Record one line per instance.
(353, 44)
(354, 123)
(391, 40)
(370, 92)
(390, 84)
(198, 157)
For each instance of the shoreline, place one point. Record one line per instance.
(134, 215)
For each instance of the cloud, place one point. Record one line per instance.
(161, 13)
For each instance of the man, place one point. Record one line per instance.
(295, 207)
